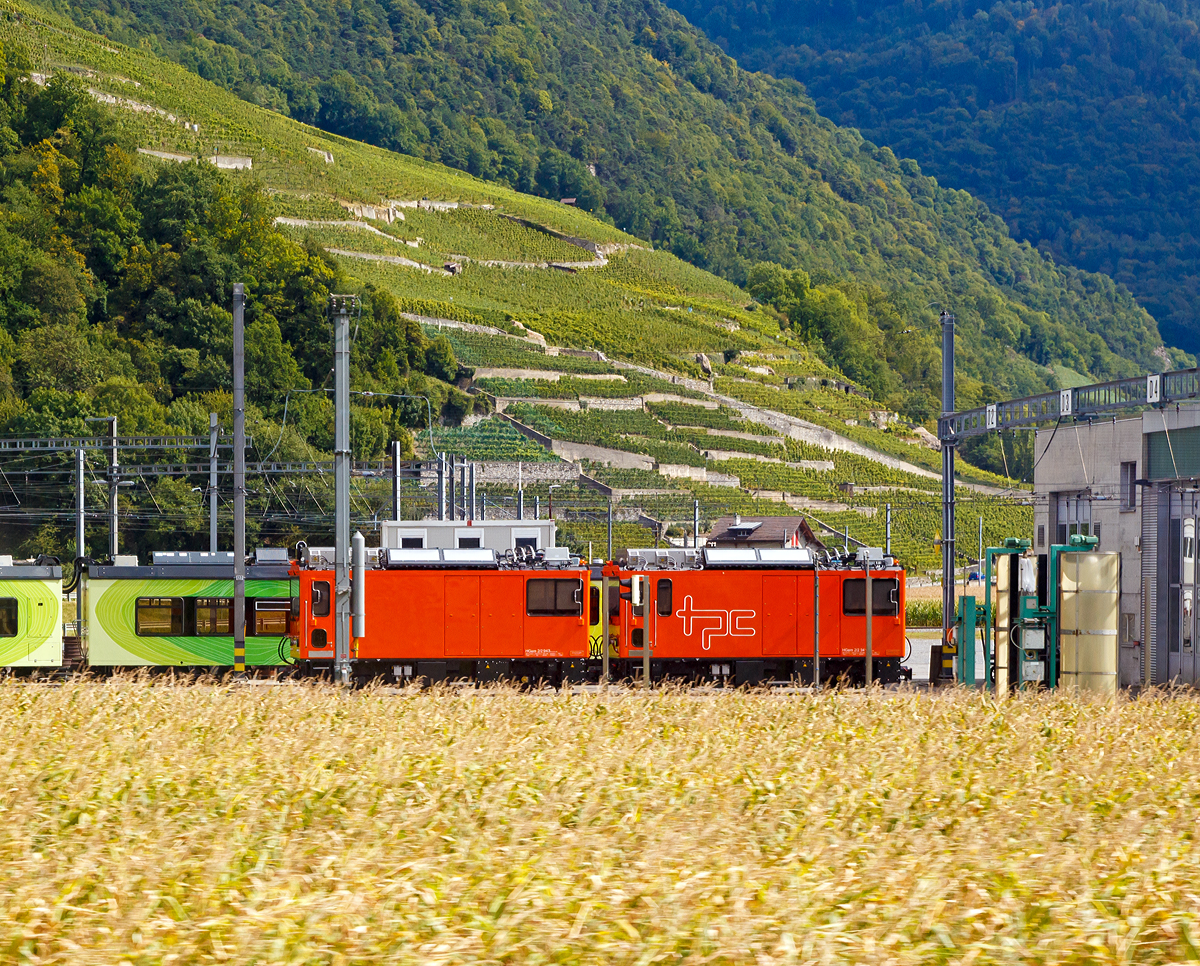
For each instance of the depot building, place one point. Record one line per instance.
(1133, 483)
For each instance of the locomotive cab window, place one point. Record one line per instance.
(664, 598)
(885, 596)
(8, 617)
(320, 598)
(159, 617)
(553, 598)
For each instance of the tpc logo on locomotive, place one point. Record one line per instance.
(715, 623)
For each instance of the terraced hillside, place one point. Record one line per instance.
(575, 340)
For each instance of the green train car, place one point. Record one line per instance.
(178, 611)
(30, 614)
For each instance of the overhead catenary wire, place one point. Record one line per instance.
(1170, 446)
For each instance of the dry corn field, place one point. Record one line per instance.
(184, 824)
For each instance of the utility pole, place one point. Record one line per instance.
(887, 533)
(695, 524)
(610, 508)
(80, 537)
(396, 480)
(979, 562)
(947, 321)
(604, 621)
(212, 482)
(239, 479)
(80, 548)
(452, 500)
(441, 486)
(816, 625)
(358, 597)
(462, 489)
(340, 305)
(870, 661)
(474, 508)
(114, 480)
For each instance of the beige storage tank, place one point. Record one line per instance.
(1089, 597)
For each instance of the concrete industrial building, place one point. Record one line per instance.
(1135, 484)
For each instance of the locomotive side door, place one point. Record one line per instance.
(502, 602)
(462, 616)
(781, 614)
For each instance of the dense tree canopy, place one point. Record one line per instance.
(1079, 122)
(725, 168)
(114, 282)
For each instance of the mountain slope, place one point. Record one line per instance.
(120, 237)
(723, 167)
(1078, 122)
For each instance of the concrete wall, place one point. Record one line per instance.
(752, 437)
(688, 400)
(602, 454)
(822, 466)
(501, 403)
(620, 404)
(509, 474)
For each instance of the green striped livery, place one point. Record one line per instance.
(113, 640)
(38, 640)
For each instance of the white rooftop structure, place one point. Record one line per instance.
(498, 535)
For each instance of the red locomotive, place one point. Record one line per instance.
(739, 616)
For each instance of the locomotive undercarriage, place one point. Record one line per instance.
(727, 672)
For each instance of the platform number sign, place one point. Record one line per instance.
(1154, 388)
(1066, 399)
(991, 416)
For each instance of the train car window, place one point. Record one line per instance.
(412, 543)
(526, 543)
(553, 598)
(159, 617)
(319, 639)
(664, 596)
(320, 598)
(270, 618)
(295, 589)
(594, 606)
(8, 617)
(614, 597)
(885, 596)
(214, 617)
(468, 543)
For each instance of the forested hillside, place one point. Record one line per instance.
(725, 168)
(1079, 123)
(121, 235)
